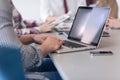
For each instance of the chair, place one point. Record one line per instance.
(11, 67)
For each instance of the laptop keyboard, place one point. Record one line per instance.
(72, 44)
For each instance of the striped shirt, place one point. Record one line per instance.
(24, 27)
(8, 38)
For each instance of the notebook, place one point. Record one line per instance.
(86, 30)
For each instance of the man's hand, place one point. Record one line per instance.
(46, 27)
(51, 44)
(40, 38)
(51, 18)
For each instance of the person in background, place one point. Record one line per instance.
(108, 3)
(23, 27)
(50, 10)
(113, 22)
(32, 55)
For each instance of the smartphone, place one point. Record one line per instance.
(101, 53)
(61, 19)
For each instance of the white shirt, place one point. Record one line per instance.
(56, 7)
(39, 10)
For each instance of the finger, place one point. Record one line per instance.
(50, 22)
(49, 30)
(47, 22)
(61, 42)
(58, 46)
(51, 26)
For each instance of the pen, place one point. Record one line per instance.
(101, 53)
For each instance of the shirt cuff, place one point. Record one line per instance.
(38, 52)
(37, 28)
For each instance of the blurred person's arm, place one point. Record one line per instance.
(31, 54)
(45, 27)
(51, 18)
(114, 8)
(27, 39)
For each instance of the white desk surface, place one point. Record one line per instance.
(83, 66)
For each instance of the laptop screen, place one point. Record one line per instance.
(88, 24)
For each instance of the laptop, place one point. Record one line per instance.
(86, 30)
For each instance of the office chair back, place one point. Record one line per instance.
(11, 67)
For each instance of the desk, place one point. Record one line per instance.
(83, 66)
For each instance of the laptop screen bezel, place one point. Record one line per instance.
(106, 17)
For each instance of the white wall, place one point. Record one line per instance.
(29, 9)
(118, 8)
(35, 12)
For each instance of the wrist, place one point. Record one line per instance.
(41, 28)
(44, 50)
(31, 36)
